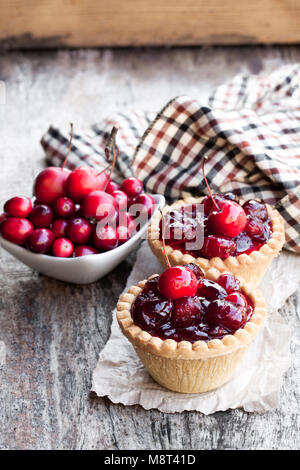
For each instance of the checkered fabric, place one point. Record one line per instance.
(249, 130)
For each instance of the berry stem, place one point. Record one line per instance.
(163, 238)
(70, 146)
(111, 148)
(206, 182)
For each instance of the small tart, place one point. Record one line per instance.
(250, 267)
(191, 367)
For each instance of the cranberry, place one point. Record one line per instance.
(151, 312)
(176, 225)
(50, 184)
(78, 211)
(41, 216)
(147, 204)
(256, 209)
(229, 282)
(3, 216)
(79, 230)
(84, 250)
(121, 199)
(18, 206)
(64, 207)
(210, 290)
(111, 187)
(227, 314)
(243, 243)
(214, 246)
(187, 312)
(126, 220)
(132, 187)
(257, 230)
(237, 298)
(99, 205)
(105, 238)
(62, 247)
(183, 225)
(151, 286)
(229, 220)
(177, 282)
(84, 180)
(215, 332)
(59, 228)
(40, 240)
(16, 230)
(123, 234)
(195, 269)
(192, 334)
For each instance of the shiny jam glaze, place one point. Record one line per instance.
(182, 225)
(217, 309)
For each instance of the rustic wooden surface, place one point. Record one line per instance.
(51, 333)
(75, 23)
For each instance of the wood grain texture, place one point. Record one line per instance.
(53, 23)
(53, 332)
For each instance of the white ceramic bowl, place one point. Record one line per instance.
(84, 269)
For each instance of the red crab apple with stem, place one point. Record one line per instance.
(84, 180)
(51, 183)
(227, 218)
(177, 281)
(99, 205)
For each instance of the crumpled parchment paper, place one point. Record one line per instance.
(255, 386)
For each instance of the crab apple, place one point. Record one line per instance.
(84, 180)
(98, 205)
(50, 184)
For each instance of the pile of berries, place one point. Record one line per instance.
(183, 305)
(76, 213)
(228, 228)
(230, 231)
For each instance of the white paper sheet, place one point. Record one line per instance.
(255, 385)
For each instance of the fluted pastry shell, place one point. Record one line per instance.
(190, 367)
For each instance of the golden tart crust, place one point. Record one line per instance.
(190, 367)
(250, 267)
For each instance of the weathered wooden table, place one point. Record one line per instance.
(52, 332)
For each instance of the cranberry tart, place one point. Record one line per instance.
(239, 237)
(191, 331)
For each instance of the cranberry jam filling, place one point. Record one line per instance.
(229, 228)
(202, 310)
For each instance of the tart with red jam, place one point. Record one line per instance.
(191, 331)
(237, 237)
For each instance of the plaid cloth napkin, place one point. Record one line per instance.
(249, 130)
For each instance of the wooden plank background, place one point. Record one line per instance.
(90, 23)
